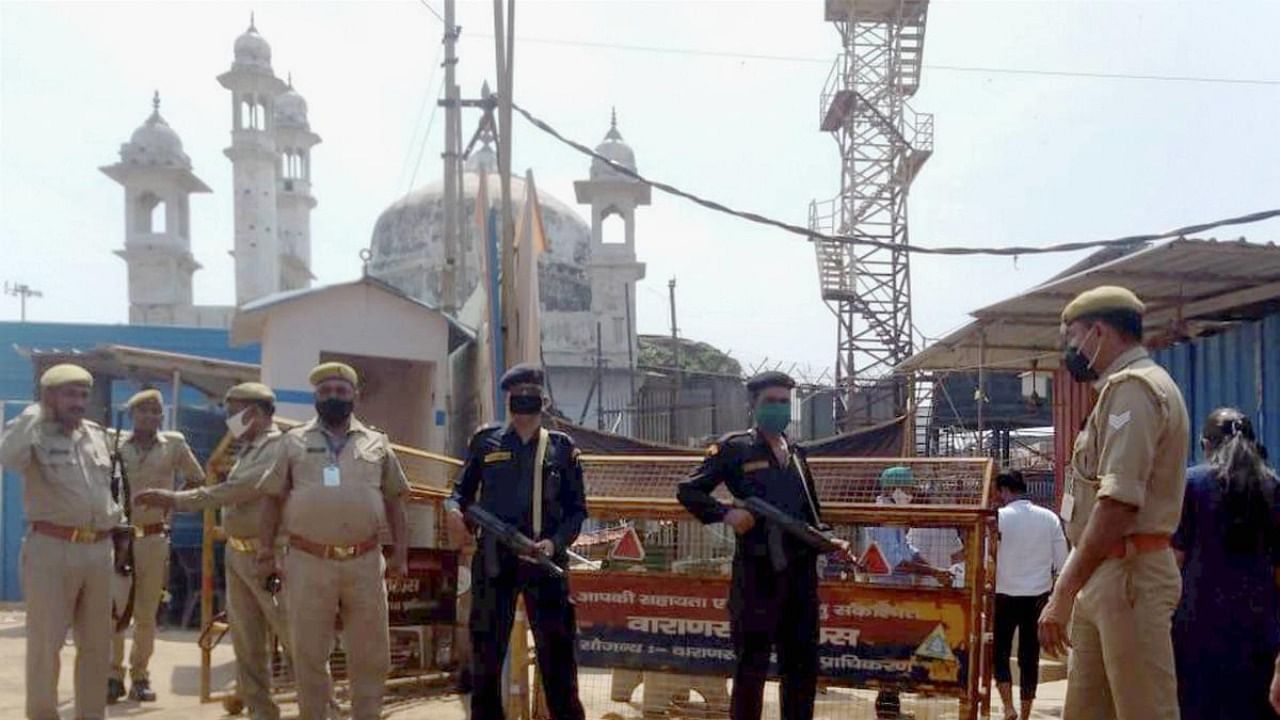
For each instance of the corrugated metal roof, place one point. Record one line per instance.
(1188, 285)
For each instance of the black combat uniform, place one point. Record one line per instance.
(499, 467)
(773, 600)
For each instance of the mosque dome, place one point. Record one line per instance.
(252, 49)
(155, 143)
(291, 109)
(616, 150)
(408, 241)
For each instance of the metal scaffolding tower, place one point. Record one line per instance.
(883, 144)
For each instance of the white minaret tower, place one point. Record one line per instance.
(253, 156)
(294, 201)
(613, 267)
(157, 179)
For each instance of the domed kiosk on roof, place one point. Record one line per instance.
(586, 286)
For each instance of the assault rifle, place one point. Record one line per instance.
(779, 522)
(122, 493)
(496, 531)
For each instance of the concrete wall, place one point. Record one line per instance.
(375, 325)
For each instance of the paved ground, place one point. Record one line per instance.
(175, 677)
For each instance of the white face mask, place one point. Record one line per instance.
(902, 497)
(236, 423)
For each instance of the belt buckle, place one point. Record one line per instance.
(84, 535)
(139, 532)
(342, 552)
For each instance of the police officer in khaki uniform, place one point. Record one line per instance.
(152, 459)
(338, 485)
(251, 610)
(1123, 501)
(66, 563)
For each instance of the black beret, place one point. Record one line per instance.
(769, 379)
(522, 374)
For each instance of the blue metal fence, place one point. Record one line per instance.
(1240, 368)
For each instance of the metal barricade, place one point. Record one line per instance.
(654, 614)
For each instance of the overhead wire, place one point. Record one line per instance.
(868, 241)
(767, 57)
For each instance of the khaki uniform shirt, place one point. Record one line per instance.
(239, 493)
(66, 478)
(155, 468)
(335, 507)
(1133, 448)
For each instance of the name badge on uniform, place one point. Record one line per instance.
(332, 476)
(754, 466)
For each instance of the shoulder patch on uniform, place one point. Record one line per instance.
(576, 454)
(1119, 420)
(713, 449)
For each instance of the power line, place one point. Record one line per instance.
(867, 241)
(765, 57)
(427, 5)
(733, 55)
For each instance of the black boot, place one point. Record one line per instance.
(142, 692)
(115, 690)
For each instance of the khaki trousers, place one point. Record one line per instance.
(67, 585)
(253, 617)
(150, 576)
(1122, 648)
(319, 591)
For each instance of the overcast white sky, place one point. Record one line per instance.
(1025, 159)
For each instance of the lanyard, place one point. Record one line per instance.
(335, 448)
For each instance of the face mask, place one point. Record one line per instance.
(525, 404)
(773, 417)
(334, 411)
(1081, 367)
(237, 423)
(902, 497)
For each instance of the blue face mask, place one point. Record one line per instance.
(773, 417)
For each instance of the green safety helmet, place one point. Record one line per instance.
(897, 476)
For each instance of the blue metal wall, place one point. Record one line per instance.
(1239, 368)
(17, 385)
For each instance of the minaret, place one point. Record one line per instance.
(613, 267)
(253, 156)
(294, 201)
(157, 179)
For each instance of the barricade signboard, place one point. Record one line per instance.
(428, 592)
(868, 635)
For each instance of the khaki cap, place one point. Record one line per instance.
(252, 392)
(65, 374)
(1106, 298)
(333, 371)
(149, 395)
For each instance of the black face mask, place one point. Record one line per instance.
(334, 411)
(1078, 365)
(524, 404)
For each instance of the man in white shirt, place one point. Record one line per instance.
(1031, 552)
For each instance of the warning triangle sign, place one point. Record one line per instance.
(873, 561)
(935, 647)
(628, 547)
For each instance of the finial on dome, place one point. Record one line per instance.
(613, 133)
(291, 80)
(155, 102)
(252, 28)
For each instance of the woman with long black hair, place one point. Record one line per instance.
(1226, 630)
